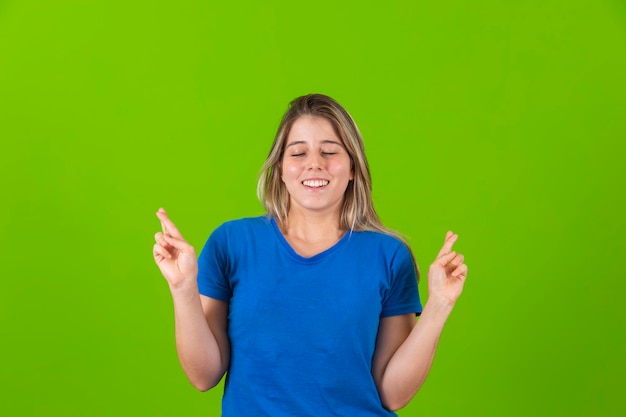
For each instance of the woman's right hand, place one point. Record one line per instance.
(174, 256)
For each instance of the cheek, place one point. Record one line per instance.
(289, 171)
(342, 168)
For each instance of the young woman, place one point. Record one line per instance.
(310, 309)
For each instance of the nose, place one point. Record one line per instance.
(315, 161)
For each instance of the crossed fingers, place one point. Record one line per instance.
(167, 225)
(169, 240)
(449, 259)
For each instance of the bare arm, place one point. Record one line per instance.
(405, 353)
(201, 337)
(201, 322)
(405, 350)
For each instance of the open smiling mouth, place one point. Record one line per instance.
(315, 183)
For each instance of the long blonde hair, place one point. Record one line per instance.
(357, 212)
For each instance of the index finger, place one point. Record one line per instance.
(168, 226)
(447, 245)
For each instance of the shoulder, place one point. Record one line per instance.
(246, 223)
(387, 248)
(236, 235)
(379, 240)
(239, 230)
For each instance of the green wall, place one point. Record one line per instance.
(502, 121)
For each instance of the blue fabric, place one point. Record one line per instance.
(303, 330)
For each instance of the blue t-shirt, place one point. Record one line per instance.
(303, 330)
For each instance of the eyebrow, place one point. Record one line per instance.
(302, 142)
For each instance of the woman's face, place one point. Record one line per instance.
(316, 167)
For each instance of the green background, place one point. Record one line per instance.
(502, 121)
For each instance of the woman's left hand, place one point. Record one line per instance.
(446, 275)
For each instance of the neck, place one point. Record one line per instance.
(311, 226)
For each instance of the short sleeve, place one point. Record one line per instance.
(402, 296)
(213, 267)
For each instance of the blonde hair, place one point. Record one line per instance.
(357, 212)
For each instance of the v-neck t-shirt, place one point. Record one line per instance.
(303, 329)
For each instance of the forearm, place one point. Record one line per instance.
(409, 366)
(198, 349)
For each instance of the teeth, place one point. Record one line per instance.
(315, 183)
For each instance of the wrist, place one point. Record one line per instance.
(439, 306)
(184, 289)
